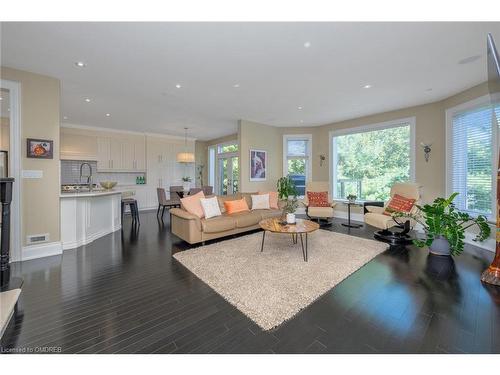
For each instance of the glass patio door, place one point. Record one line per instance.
(228, 175)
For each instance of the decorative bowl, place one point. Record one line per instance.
(108, 185)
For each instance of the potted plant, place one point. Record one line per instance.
(186, 183)
(289, 209)
(351, 198)
(287, 192)
(445, 227)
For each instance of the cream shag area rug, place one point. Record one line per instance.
(271, 287)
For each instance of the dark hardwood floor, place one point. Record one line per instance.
(124, 293)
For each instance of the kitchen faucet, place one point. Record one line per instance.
(89, 177)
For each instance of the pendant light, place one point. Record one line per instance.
(185, 157)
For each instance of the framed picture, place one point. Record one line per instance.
(258, 165)
(39, 148)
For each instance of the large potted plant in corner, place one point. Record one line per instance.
(445, 227)
(287, 193)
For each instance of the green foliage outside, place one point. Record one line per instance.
(297, 166)
(370, 163)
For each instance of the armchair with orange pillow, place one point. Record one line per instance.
(404, 197)
(317, 201)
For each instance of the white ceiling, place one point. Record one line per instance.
(132, 70)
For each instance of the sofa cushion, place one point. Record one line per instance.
(266, 214)
(218, 224)
(379, 220)
(246, 219)
(320, 211)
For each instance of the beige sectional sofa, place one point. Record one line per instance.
(194, 230)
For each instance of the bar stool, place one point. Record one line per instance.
(132, 203)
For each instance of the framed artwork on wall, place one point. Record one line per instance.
(39, 148)
(258, 165)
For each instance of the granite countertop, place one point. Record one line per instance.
(95, 193)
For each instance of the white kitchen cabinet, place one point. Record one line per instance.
(163, 170)
(121, 154)
(74, 146)
(109, 154)
(103, 154)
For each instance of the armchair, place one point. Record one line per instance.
(374, 216)
(318, 213)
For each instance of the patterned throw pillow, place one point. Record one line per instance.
(318, 199)
(260, 202)
(210, 207)
(399, 203)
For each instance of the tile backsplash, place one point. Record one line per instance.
(70, 174)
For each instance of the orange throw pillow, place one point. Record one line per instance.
(192, 204)
(398, 203)
(238, 205)
(318, 199)
(273, 199)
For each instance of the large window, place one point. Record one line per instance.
(297, 159)
(472, 131)
(368, 160)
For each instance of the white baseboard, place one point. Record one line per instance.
(41, 250)
(68, 245)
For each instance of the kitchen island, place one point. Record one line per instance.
(87, 216)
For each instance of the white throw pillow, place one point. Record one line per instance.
(210, 207)
(260, 202)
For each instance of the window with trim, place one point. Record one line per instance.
(472, 138)
(297, 159)
(368, 160)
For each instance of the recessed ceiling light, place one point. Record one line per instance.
(178, 86)
(307, 44)
(299, 108)
(469, 59)
(65, 117)
(8, 109)
(367, 86)
(301, 121)
(80, 64)
(107, 114)
(1, 98)
(88, 100)
(236, 85)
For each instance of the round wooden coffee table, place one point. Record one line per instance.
(300, 228)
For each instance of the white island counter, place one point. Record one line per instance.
(87, 216)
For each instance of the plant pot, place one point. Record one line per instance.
(440, 246)
(290, 218)
(186, 185)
